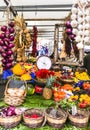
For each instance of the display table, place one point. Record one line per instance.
(37, 101)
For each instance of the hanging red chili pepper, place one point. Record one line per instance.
(34, 39)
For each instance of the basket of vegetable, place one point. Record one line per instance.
(55, 117)
(34, 118)
(79, 119)
(15, 92)
(10, 117)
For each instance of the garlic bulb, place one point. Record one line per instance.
(74, 10)
(74, 23)
(73, 16)
(80, 45)
(87, 18)
(80, 13)
(86, 33)
(87, 26)
(75, 31)
(80, 33)
(86, 39)
(87, 12)
(80, 20)
(78, 38)
(80, 27)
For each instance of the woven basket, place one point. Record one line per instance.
(14, 99)
(10, 121)
(34, 122)
(66, 80)
(59, 120)
(77, 121)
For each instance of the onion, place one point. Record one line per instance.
(72, 36)
(1, 50)
(7, 34)
(68, 24)
(10, 59)
(2, 35)
(11, 30)
(69, 30)
(9, 52)
(11, 24)
(11, 45)
(1, 43)
(4, 28)
(8, 65)
(12, 108)
(4, 54)
(4, 61)
(6, 40)
(11, 38)
(4, 47)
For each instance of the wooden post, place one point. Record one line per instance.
(56, 40)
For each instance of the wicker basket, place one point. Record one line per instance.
(77, 121)
(59, 120)
(14, 99)
(34, 122)
(10, 121)
(66, 80)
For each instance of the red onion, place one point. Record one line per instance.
(68, 24)
(4, 47)
(4, 61)
(4, 54)
(72, 36)
(11, 30)
(9, 52)
(11, 38)
(1, 50)
(2, 35)
(7, 34)
(11, 24)
(11, 45)
(10, 59)
(8, 65)
(69, 30)
(2, 43)
(6, 40)
(4, 28)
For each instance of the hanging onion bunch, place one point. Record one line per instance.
(80, 22)
(69, 30)
(6, 45)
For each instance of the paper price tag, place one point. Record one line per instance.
(74, 110)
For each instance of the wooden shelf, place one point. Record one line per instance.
(68, 63)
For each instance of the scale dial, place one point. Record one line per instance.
(44, 62)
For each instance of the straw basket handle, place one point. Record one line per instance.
(10, 80)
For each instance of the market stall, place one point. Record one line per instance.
(34, 94)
